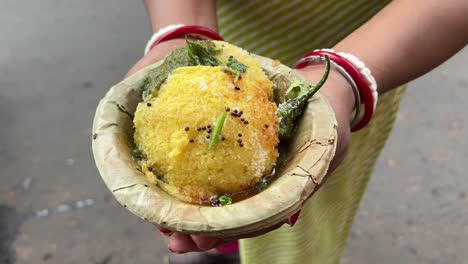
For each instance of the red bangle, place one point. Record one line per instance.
(201, 32)
(364, 89)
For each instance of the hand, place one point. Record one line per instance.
(340, 95)
(182, 243)
(156, 54)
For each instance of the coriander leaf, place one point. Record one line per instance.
(235, 68)
(224, 200)
(218, 49)
(236, 65)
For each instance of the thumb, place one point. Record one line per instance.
(203, 242)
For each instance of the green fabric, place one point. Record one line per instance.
(286, 30)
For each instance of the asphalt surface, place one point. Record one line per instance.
(58, 58)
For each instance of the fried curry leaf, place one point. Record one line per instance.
(194, 53)
(202, 53)
(178, 58)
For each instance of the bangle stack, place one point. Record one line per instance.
(319, 60)
(180, 30)
(359, 77)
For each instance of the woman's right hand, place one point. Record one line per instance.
(157, 53)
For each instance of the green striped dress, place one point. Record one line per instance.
(286, 30)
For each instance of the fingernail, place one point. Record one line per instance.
(165, 232)
(293, 218)
(175, 252)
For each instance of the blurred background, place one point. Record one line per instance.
(58, 58)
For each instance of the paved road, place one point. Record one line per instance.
(57, 60)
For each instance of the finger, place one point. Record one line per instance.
(181, 243)
(204, 242)
(165, 232)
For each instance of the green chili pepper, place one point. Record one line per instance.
(296, 100)
(217, 130)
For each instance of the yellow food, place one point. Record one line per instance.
(172, 130)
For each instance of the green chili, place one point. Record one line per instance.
(217, 130)
(297, 97)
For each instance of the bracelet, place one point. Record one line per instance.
(366, 72)
(318, 59)
(158, 34)
(180, 30)
(364, 88)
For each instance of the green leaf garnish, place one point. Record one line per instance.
(218, 49)
(224, 200)
(194, 53)
(217, 130)
(156, 77)
(138, 154)
(235, 67)
(261, 185)
(202, 52)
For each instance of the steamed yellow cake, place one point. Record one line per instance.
(173, 129)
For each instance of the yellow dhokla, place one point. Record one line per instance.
(174, 127)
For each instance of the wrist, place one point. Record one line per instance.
(188, 12)
(167, 47)
(337, 90)
(360, 78)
